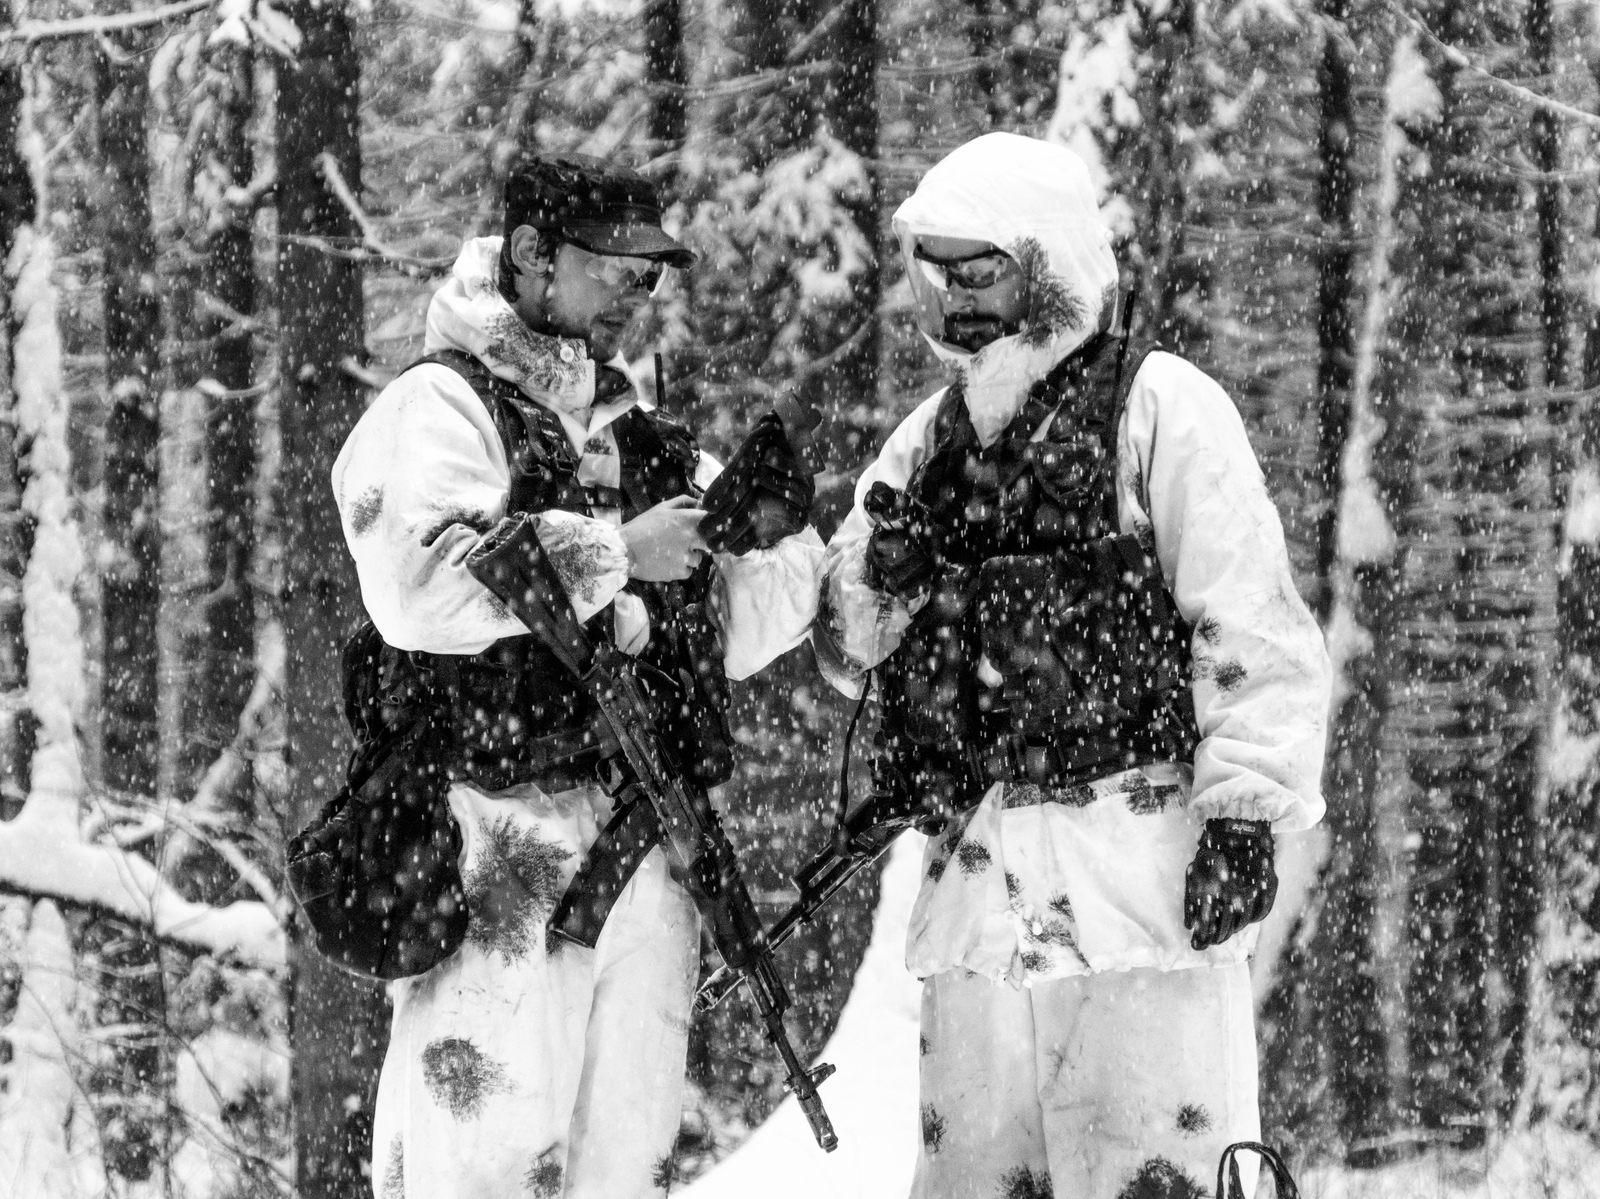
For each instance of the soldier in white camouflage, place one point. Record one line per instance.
(1100, 692)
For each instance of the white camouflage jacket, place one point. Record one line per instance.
(424, 475)
(1045, 884)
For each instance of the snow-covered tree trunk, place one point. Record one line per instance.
(337, 1023)
(48, 1141)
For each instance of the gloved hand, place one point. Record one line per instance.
(1231, 882)
(900, 552)
(762, 496)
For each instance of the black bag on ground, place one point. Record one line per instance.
(1229, 1184)
(376, 870)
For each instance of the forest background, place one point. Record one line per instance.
(1373, 220)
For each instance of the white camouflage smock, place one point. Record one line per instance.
(1073, 1042)
(517, 1068)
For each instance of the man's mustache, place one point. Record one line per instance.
(962, 328)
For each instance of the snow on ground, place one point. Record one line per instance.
(872, 1099)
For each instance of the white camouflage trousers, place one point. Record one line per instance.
(540, 1071)
(1116, 1085)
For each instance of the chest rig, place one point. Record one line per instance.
(516, 716)
(1115, 690)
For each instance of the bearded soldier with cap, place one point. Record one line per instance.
(529, 1061)
(1101, 696)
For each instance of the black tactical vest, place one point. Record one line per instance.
(1123, 697)
(517, 715)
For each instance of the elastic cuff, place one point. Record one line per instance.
(589, 556)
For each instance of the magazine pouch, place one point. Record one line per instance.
(376, 871)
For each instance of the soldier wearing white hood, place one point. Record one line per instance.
(1100, 689)
(523, 1064)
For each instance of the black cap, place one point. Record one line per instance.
(599, 205)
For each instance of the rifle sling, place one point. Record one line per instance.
(631, 833)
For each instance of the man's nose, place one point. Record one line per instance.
(960, 299)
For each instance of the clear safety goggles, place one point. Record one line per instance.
(931, 280)
(975, 272)
(624, 274)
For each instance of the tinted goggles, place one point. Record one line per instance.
(973, 273)
(624, 274)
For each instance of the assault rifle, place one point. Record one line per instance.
(866, 834)
(513, 565)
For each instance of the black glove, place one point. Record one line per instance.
(1231, 882)
(763, 495)
(900, 553)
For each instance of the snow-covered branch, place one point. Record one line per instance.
(39, 31)
(1517, 92)
(41, 858)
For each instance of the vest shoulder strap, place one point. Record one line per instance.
(543, 469)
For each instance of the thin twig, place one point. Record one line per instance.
(369, 231)
(39, 31)
(1523, 95)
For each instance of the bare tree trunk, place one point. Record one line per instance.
(1174, 99)
(130, 581)
(1564, 1081)
(1476, 606)
(17, 208)
(1016, 82)
(1335, 285)
(337, 1023)
(1553, 303)
(222, 635)
(134, 1129)
(850, 113)
(517, 127)
(664, 70)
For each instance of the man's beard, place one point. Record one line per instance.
(973, 331)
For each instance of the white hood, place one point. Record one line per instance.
(468, 313)
(1034, 200)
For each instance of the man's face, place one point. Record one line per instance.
(979, 289)
(592, 296)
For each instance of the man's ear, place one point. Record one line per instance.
(529, 252)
